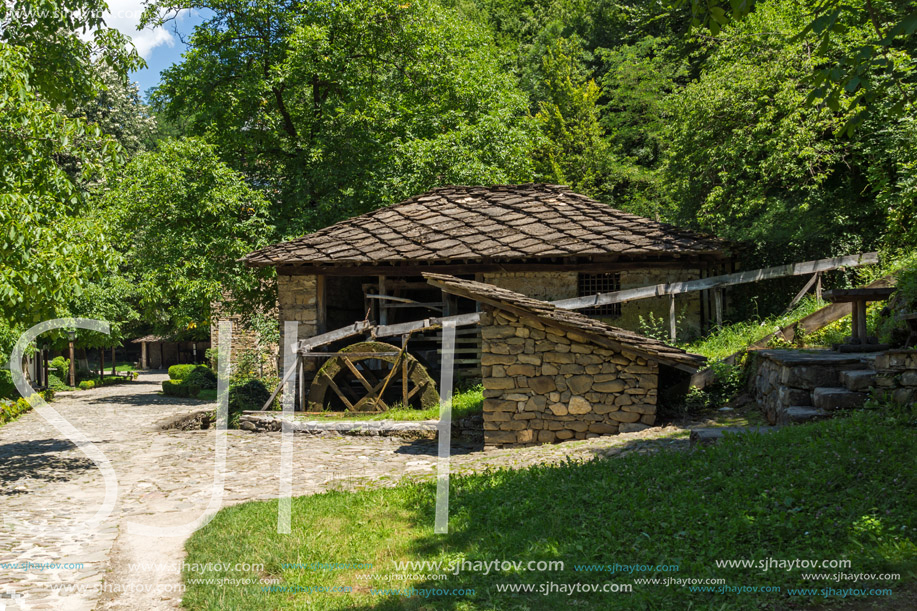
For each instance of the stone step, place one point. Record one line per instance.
(837, 398)
(858, 380)
(801, 413)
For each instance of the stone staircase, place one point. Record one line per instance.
(797, 386)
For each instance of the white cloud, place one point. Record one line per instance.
(124, 15)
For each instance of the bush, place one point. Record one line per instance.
(56, 383)
(250, 395)
(7, 388)
(10, 410)
(87, 385)
(174, 389)
(202, 376)
(60, 363)
(180, 372)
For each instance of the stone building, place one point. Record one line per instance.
(552, 375)
(543, 241)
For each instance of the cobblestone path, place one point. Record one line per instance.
(49, 489)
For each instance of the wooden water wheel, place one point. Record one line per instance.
(371, 377)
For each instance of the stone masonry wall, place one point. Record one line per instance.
(243, 340)
(897, 376)
(544, 385)
(297, 298)
(551, 286)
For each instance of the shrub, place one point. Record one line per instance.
(10, 410)
(87, 385)
(248, 396)
(7, 388)
(174, 389)
(56, 383)
(180, 372)
(202, 376)
(60, 363)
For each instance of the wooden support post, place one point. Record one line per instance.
(855, 321)
(404, 372)
(672, 318)
(144, 359)
(383, 310)
(114, 370)
(302, 385)
(818, 286)
(860, 306)
(101, 363)
(72, 365)
(718, 305)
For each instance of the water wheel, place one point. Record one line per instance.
(371, 377)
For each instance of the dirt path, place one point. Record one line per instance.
(49, 488)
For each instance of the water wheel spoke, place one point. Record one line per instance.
(356, 372)
(333, 385)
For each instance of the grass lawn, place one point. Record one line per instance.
(844, 489)
(464, 403)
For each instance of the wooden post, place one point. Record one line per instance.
(72, 365)
(302, 386)
(855, 321)
(860, 306)
(672, 317)
(404, 372)
(818, 286)
(143, 356)
(718, 305)
(101, 363)
(114, 370)
(383, 311)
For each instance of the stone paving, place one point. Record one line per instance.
(49, 488)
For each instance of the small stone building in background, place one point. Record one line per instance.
(551, 375)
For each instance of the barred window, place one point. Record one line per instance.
(591, 284)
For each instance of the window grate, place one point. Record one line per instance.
(592, 284)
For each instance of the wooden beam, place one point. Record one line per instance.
(804, 290)
(718, 306)
(414, 269)
(427, 323)
(675, 288)
(356, 328)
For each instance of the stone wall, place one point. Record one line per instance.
(551, 286)
(244, 340)
(688, 304)
(297, 298)
(896, 376)
(546, 286)
(544, 385)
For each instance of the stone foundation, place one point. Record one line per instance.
(896, 376)
(544, 385)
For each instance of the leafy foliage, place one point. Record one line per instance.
(184, 219)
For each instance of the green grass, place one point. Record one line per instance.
(464, 403)
(840, 489)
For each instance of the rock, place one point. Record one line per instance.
(837, 398)
(624, 416)
(580, 384)
(611, 386)
(558, 409)
(579, 405)
(541, 384)
(604, 429)
(632, 427)
(248, 426)
(563, 435)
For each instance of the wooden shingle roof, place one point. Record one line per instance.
(599, 332)
(496, 223)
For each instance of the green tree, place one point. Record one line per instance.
(184, 219)
(574, 149)
(334, 108)
(749, 160)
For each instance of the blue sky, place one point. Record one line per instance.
(160, 47)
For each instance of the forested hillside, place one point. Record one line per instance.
(785, 125)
